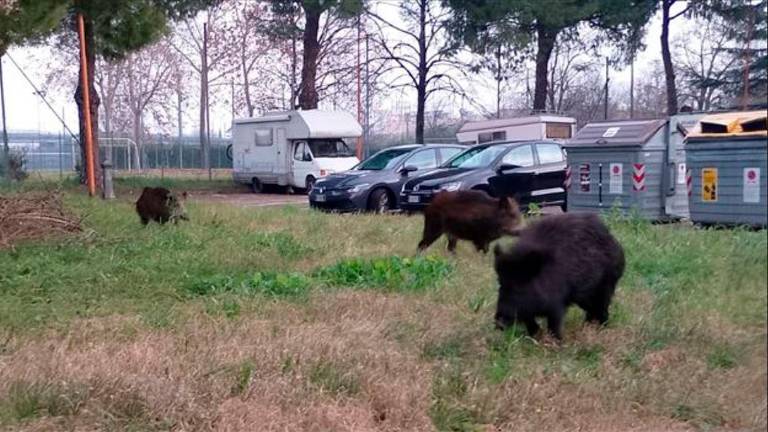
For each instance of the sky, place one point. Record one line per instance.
(26, 111)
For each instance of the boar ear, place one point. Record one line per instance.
(184, 195)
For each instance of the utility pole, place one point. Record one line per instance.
(750, 30)
(359, 149)
(606, 88)
(367, 96)
(90, 164)
(6, 150)
(207, 123)
(632, 87)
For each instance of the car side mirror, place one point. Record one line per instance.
(408, 169)
(506, 167)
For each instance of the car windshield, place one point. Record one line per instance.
(329, 148)
(476, 157)
(386, 159)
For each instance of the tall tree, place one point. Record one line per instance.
(424, 52)
(747, 26)
(312, 11)
(202, 43)
(114, 28)
(704, 63)
(479, 22)
(21, 21)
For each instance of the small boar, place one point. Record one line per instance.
(160, 205)
(469, 215)
(557, 261)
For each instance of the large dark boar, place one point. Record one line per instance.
(560, 260)
(160, 205)
(469, 215)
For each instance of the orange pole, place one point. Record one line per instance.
(89, 162)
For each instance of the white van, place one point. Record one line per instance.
(292, 148)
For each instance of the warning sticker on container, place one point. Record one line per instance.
(751, 185)
(611, 132)
(709, 184)
(616, 185)
(584, 177)
(681, 170)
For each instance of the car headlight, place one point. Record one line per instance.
(450, 187)
(359, 188)
(356, 188)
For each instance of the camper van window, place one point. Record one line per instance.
(558, 130)
(329, 148)
(383, 160)
(301, 153)
(491, 136)
(263, 137)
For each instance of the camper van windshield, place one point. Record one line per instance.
(329, 148)
(384, 160)
(476, 157)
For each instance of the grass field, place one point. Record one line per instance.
(283, 319)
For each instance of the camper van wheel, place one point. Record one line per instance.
(379, 201)
(310, 183)
(256, 185)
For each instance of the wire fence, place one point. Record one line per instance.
(58, 153)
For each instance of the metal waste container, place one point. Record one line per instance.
(726, 159)
(619, 164)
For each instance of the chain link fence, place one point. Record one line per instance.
(59, 153)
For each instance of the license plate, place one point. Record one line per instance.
(320, 198)
(413, 198)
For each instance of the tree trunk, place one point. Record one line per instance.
(95, 102)
(669, 70)
(308, 95)
(137, 138)
(246, 88)
(546, 42)
(499, 78)
(421, 85)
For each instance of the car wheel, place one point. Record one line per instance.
(257, 186)
(380, 201)
(310, 183)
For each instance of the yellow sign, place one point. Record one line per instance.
(709, 184)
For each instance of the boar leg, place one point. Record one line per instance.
(481, 245)
(144, 220)
(452, 243)
(531, 325)
(555, 323)
(433, 229)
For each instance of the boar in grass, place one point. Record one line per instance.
(160, 205)
(560, 260)
(469, 215)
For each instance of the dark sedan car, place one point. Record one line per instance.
(374, 184)
(531, 172)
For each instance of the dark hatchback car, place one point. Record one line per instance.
(531, 172)
(374, 184)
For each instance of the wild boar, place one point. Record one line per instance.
(560, 260)
(469, 215)
(160, 205)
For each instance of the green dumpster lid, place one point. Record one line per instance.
(616, 133)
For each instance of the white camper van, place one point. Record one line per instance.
(534, 127)
(292, 148)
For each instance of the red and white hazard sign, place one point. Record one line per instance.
(638, 177)
(616, 184)
(751, 187)
(689, 181)
(567, 182)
